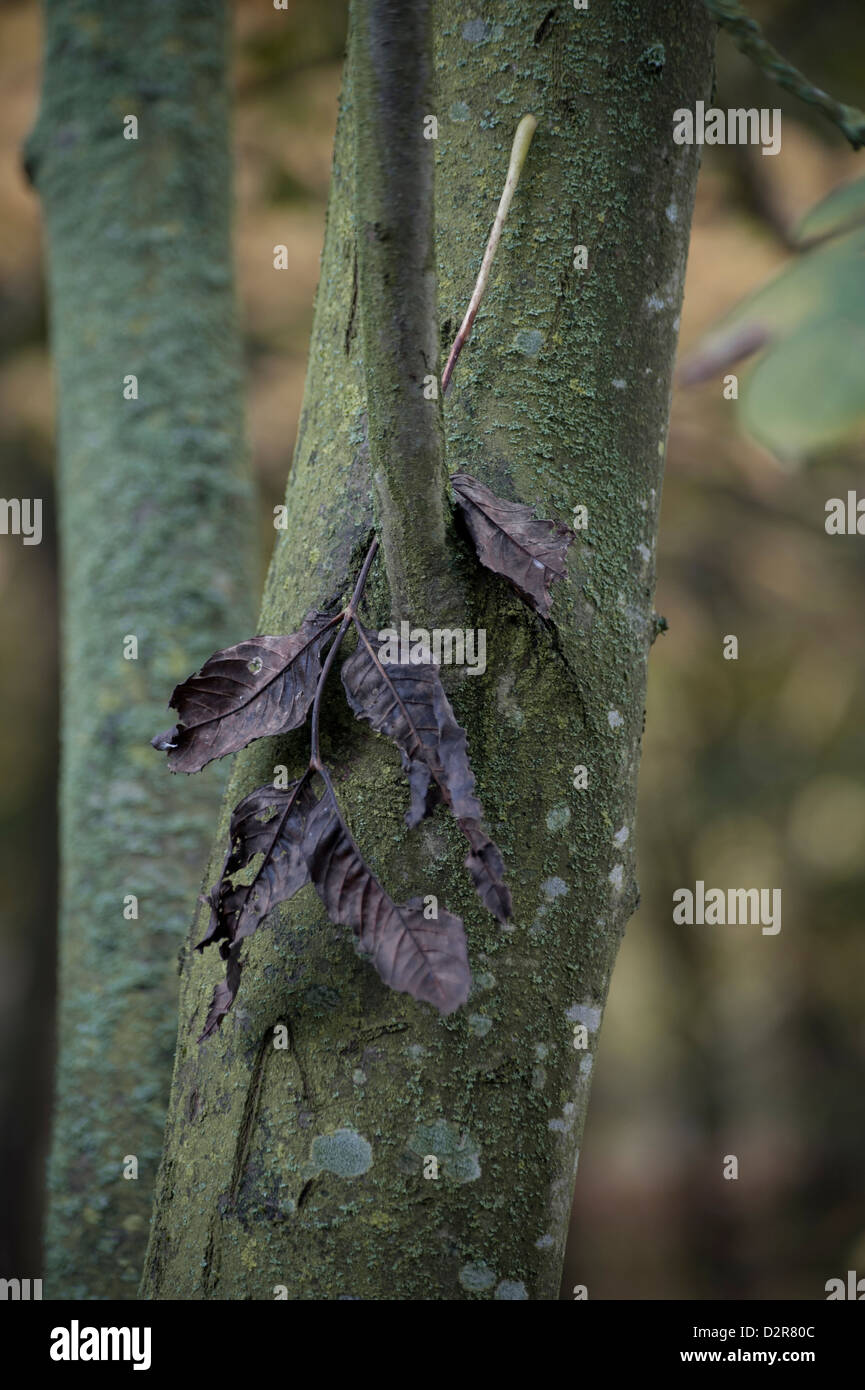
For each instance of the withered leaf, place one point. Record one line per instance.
(511, 541)
(259, 687)
(484, 863)
(426, 959)
(408, 703)
(223, 996)
(270, 821)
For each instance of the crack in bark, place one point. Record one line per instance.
(352, 312)
(365, 1036)
(212, 1257)
(303, 1195)
(543, 29)
(306, 1092)
(253, 1100)
(250, 1114)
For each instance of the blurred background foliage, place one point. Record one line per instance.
(717, 1041)
(812, 311)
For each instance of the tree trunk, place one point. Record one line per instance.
(305, 1171)
(156, 525)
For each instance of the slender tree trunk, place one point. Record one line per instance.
(155, 523)
(304, 1171)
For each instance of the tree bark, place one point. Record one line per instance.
(299, 1171)
(392, 75)
(156, 528)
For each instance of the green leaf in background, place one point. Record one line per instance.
(841, 209)
(807, 389)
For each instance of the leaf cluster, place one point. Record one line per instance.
(270, 685)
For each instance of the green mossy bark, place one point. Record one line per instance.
(300, 1168)
(156, 527)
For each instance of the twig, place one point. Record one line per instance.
(749, 39)
(343, 823)
(520, 148)
(391, 77)
(347, 615)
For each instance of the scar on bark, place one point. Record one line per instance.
(250, 1114)
(304, 1193)
(212, 1258)
(352, 313)
(544, 27)
(364, 1036)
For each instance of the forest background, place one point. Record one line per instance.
(753, 772)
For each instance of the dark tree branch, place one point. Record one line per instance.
(750, 40)
(392, 77)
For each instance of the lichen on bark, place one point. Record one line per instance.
(560, 399)
(155, 532)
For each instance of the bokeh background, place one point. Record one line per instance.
(716, 1041)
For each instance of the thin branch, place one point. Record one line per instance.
(343, 823)
(347, 615)
(520, 148)
(391, 78)
(749, 39)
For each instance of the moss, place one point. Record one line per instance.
(152, 495)
(514, 421)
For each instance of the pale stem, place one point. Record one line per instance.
(520, 148)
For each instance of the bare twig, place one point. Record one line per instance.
(520, 148)
(391, 75)
(749, 39)
(346, 616)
